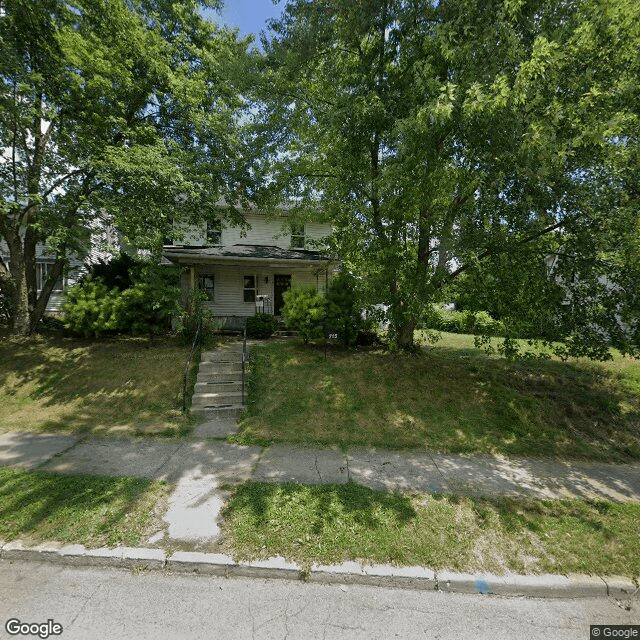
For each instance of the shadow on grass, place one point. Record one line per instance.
(53, 383)
(444, 400)
(84, 509)
(540, 516)
(322, 506)
(334, 523)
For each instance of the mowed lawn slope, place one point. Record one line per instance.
(122, 386)
(449, 398)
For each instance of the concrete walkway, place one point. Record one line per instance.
(173, 460)
(200, 467)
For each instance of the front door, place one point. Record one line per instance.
(281, 283)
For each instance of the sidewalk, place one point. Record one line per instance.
(173, 460)
(200, 467)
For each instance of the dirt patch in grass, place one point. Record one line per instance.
(89, 510)
(122, 386)
(333, 523)
(450, 399)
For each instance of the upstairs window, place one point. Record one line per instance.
(249, 289)
(214, 233)
(206, 283)
(297, 236)
(168, 239)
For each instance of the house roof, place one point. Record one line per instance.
(242, 252)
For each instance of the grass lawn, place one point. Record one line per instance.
(333, 523)
(122, 386)
(89, 510)
(451, 398)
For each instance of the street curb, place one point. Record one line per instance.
(79, 555)
(573, 586)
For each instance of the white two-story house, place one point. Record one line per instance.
(247, 271)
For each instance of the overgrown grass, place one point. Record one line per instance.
(450, 398)
(333, 523)
(89, 510)
(120, 386)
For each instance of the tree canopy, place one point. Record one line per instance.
(118, 108)
(491, 146)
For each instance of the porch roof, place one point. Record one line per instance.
(236, 252)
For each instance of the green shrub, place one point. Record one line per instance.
(262, 325)
(342, 312)
(304, 311)
(484, 324)
(89, 308)
(478, 323)
(195, 315)
(338, 313)
(146, 307)
(116, 273)
(143, 308)
(368, 338)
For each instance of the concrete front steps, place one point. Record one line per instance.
(286, 333)
(217, 397)
(212, 400)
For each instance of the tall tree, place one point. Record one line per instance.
(126, 107)
(493, 139)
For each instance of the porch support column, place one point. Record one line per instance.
(192, 277)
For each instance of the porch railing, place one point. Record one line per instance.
(264, 304)
(244, 359)
(187, 366)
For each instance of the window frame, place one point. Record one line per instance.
(251, 289)
(213, 233)
(168, 241)
(298, 231)
(43, 268)
(210, 291)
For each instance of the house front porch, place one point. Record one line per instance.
(242, 280)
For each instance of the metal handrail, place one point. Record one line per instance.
(187, 367)
(244, 358)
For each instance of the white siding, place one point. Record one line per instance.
(262, 232)
(190, 235)
(317, 230)
(229, 284)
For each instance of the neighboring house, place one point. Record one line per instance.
(44, 264)
(102, 242)
(606, 284)
(247, 271)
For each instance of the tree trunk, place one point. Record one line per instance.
(17, 274)
(404, 333)
(20, 324)
(403, 323)
(29, 252)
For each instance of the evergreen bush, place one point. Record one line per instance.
(304, 312)
(142, 302)
(343, 314)
(337, 313)
(262, 325)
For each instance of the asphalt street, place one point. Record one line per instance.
(111, 604)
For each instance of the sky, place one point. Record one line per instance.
(250, 16)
